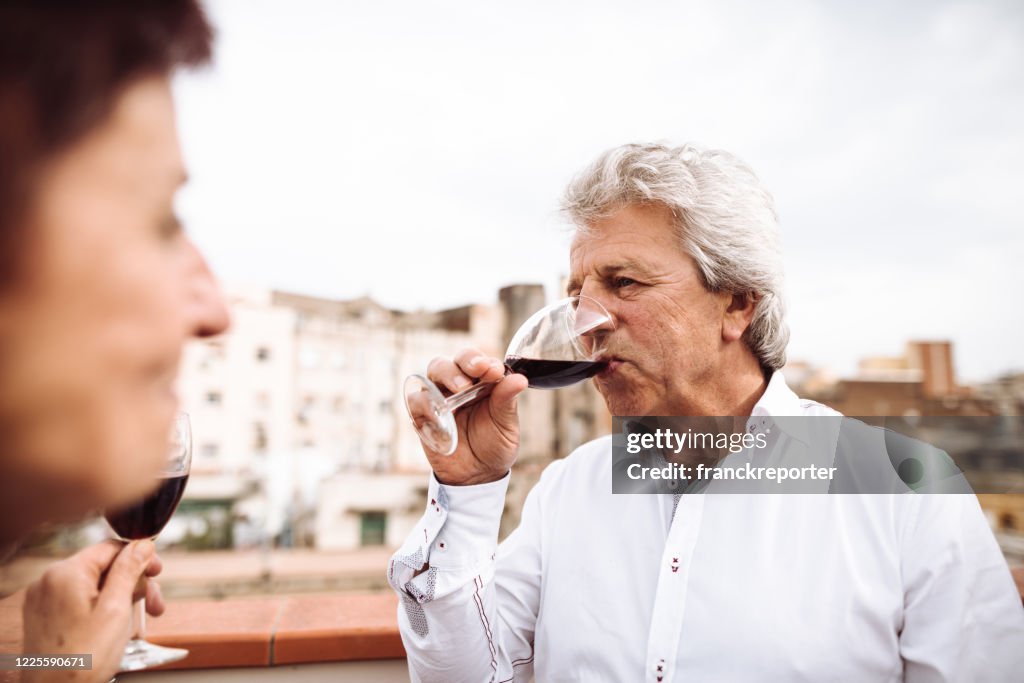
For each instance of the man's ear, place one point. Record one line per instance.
(738, 315)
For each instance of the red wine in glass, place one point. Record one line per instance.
(144, 520)
(148, 517)
(559, 345)
(554, 374)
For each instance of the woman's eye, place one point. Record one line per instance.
(621, 282)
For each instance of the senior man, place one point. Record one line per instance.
(681, 246)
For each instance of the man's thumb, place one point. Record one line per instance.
(503, 398)
(125, 572)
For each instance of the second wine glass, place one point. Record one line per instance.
(144, 520)
(559, 345)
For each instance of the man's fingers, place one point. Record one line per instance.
(503, 398)
(444, 373)
(469, 365)
(463, 357)
(473, 363)
(421, 408)
(124, 573)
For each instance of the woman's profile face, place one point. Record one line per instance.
(92, 330)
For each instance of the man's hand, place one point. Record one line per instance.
(83, 605)
(488, 429)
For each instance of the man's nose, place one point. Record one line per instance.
(206, 312)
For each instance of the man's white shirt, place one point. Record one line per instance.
(707, 587)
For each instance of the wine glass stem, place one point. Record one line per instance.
(139, 619)
(469, 395)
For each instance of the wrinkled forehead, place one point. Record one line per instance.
(634, 229)
(638, 241)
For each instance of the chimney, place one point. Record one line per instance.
(935, 361)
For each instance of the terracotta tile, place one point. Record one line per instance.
(218, 633)
(338, 628)
(260, 631)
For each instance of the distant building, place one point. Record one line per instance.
(920, 382)
(1006, 393)
(300, 405)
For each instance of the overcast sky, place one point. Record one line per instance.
(416, 151)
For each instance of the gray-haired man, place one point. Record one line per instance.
(681, 246)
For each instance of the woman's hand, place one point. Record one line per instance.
(83, 605)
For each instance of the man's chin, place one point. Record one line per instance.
(623, 403)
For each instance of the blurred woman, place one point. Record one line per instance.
(100, 288)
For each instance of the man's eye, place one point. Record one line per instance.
(621, 282)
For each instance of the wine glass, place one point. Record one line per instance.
(146, 519)
(559, 345)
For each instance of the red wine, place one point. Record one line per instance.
(147, 518)
(552, 374)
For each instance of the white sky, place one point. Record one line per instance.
(416, 151)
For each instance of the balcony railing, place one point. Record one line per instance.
(288, 638)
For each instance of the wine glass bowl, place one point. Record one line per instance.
(559, 345)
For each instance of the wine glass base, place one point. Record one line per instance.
(433, 420)
(141, 654)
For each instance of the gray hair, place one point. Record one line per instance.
(726, 222)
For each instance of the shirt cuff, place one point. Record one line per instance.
(458, 531)
(470, 531)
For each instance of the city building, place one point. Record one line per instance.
(921, 381)
(299, 427)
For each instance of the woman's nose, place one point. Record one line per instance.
(206, 311)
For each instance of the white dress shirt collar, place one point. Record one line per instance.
(778, 400)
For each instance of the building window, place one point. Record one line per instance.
(259, 437)
(372, 528)
(302, 416)
(212, 354)
(213, 398)
(263, 354)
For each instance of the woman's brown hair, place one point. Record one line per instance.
(62, 65)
